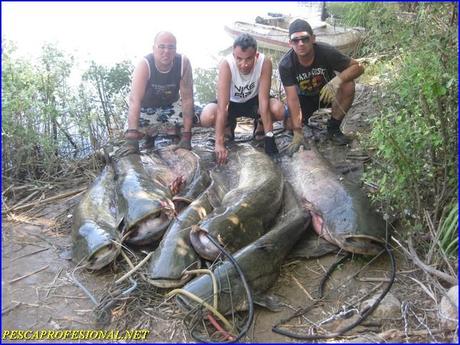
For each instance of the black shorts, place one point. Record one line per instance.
(310, 104)
(250, 108)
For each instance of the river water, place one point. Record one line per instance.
(109, 32)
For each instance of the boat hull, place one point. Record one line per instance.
(276, 38)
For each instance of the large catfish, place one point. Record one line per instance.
(96, 221)
(259, 261)
(175, 253)
(186, 164)
(341, 212)
(145, 198)
(249, 207)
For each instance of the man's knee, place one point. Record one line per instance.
(208, 115)
(347, 89)
(277, 109)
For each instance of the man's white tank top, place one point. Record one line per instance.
(244, 87)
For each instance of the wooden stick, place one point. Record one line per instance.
(28, 274)
(27, 198)
(35, 252)
(413, 255)
(302, 288)
(431, 270)
(44, 201)
(7, 310)
(372, 279)
(139, 265)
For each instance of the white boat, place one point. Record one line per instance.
(275, 37)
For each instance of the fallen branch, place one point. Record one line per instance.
(27, 198)
(29, 254)
(28, 274)
(302, 288)
(44, 201)
(394, 333)
(428, 269)
(7, 310)
(134, 269)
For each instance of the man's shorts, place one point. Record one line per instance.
(310, 104)
(162, 120)
(250, 108)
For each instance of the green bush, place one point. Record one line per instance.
(414, 138)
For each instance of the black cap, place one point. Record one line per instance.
(300, 25)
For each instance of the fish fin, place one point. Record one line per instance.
(268, 301)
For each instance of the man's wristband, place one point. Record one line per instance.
(186, 135)
(131, 130)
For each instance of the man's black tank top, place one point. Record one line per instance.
(162, 88)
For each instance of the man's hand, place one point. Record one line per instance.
(297, 141)
(127, 147)
(185, 141)
(329, 91)
(221, 154)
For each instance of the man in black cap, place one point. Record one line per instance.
(315, 75)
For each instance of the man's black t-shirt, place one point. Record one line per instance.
(310, 80)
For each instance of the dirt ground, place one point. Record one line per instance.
(40, 289)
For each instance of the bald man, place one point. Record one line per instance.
(161, 98)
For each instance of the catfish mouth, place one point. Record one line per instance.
(169, 283)
(184, 303)
(202, 245)
(362, 244)
(149, 229)
(181, 203)
(103, 256)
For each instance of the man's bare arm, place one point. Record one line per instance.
(140, 77)
(264, 95)
(294, 106)
(223, 99)
(186, 93)
(353, 71)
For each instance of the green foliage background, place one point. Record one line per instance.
(414, 139)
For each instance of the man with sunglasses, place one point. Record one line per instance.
(243, 89)
(161, 98)
(315, 75)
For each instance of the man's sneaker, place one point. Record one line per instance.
(337, 137)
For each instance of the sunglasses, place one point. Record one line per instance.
(304, 39)
(167, 46)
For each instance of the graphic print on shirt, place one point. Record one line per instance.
(163, 90)
(244, 91)
(311, 82)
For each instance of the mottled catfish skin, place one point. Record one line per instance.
(175, 253)
(145, 199)
(187, 164)
(341, 212)
(248, 210)
(260, 261)
(95, 233)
